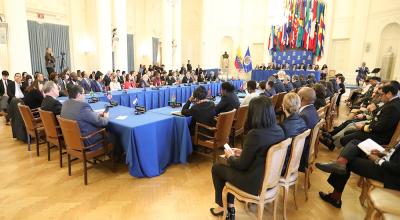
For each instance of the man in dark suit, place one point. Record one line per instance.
(310, 116)
(383, 167)
(361, 73)
(75, 108)
(86, 83)
(73, 81)
(62, 83)
(50, 102)
(384, 123)
(229, 99)
(16, 88)
(97, 83)
(4, 82)
(278, 85)
(198, 70)
(189, 66)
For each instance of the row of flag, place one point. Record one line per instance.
(304, 27)
(243, 63)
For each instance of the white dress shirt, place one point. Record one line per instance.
(18, 92)
(249, 97)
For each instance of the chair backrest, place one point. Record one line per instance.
(280, 99)
(224, 126)
(322, 112)
(273, 165)
(295, 152)
(49, 124)
(71, 133)
(241, 116)
(27, 116)
(314, 138)
(274, 99)
(396, 136)
(332, 107)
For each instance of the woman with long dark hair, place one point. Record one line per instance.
(246, 167)
(33, 95)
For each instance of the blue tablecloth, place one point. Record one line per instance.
(259, 75)
(151, 141)
(158, 98)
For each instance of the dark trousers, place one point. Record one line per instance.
(221, 174)
(354, 135)
(50, 70)
(343, 125)
(359, 164)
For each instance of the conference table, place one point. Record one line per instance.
(259, 75)
(155, 139)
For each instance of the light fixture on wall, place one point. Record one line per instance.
(367, 47)
(86, 45)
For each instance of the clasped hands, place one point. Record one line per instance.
(236, 152)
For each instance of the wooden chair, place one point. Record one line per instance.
(278, 106)
(384, 202)
(331, 111)
(322, 113)
(33, 125)
(76, 148)
(238, 124)
(292, 173)
(311, 156)
(220, 135)
(274, 99)
(395, 137)
(54, 136)
(270, 187)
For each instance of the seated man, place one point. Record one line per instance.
(75, 108)
(384, 123)
(251, 89)
(383, 167)
(310, 116)
(229, 99)
(50, 102)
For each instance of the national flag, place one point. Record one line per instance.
(271, 39)
(238, 60)
(247, 64)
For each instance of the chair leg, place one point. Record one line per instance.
(233, 140)
(69, 164)
(275, 204)
(37, 143)
(260, 210)
(60, 153)
(306, 183)
(29, 142)
(48, 151)
(285, 195)
(84, 168)
(294, 195)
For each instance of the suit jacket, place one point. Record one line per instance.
(187, 80)
(310, 116)
(198, 71)
(384, 123)
(288, 87)
(189, 67)
(88, 120)
(319, 103)
(269, 92)
(203, 113)
(11, 91)
(71, 83)
(228, 102)
(33, 98)
(391, 171)
(2, 89)
(96, 87)
(279, 87)
(297, 84)
(62, 84)
(51, 104)
(86, 85)
(106, 80)
(247, 171)
(362, 72)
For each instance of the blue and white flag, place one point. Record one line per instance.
(247, 64)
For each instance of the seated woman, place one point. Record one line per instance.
(293, 124)
(202, 109)
(129, 83)
(246, 167)
(320, 93)
(157, 79)
(33, 95)
(229, 99)
(114, 84)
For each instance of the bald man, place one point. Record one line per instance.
(310, 115)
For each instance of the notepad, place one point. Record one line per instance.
(121, 117)
(99, 110)
(368, 145)
(177, 113)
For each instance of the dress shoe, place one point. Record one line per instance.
(327, 143)
(327, 198)
(212, 210)
(327, 135)
(332, 167)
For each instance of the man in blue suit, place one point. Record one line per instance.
(97, 83)
(75, 108)
(310, 116)
(361, 73)
(86, 82)
(278, 85)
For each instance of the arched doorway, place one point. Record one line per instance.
(389, 58)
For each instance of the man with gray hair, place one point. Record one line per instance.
(50, 102)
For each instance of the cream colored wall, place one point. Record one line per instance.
(191, 31)
(3, 47)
